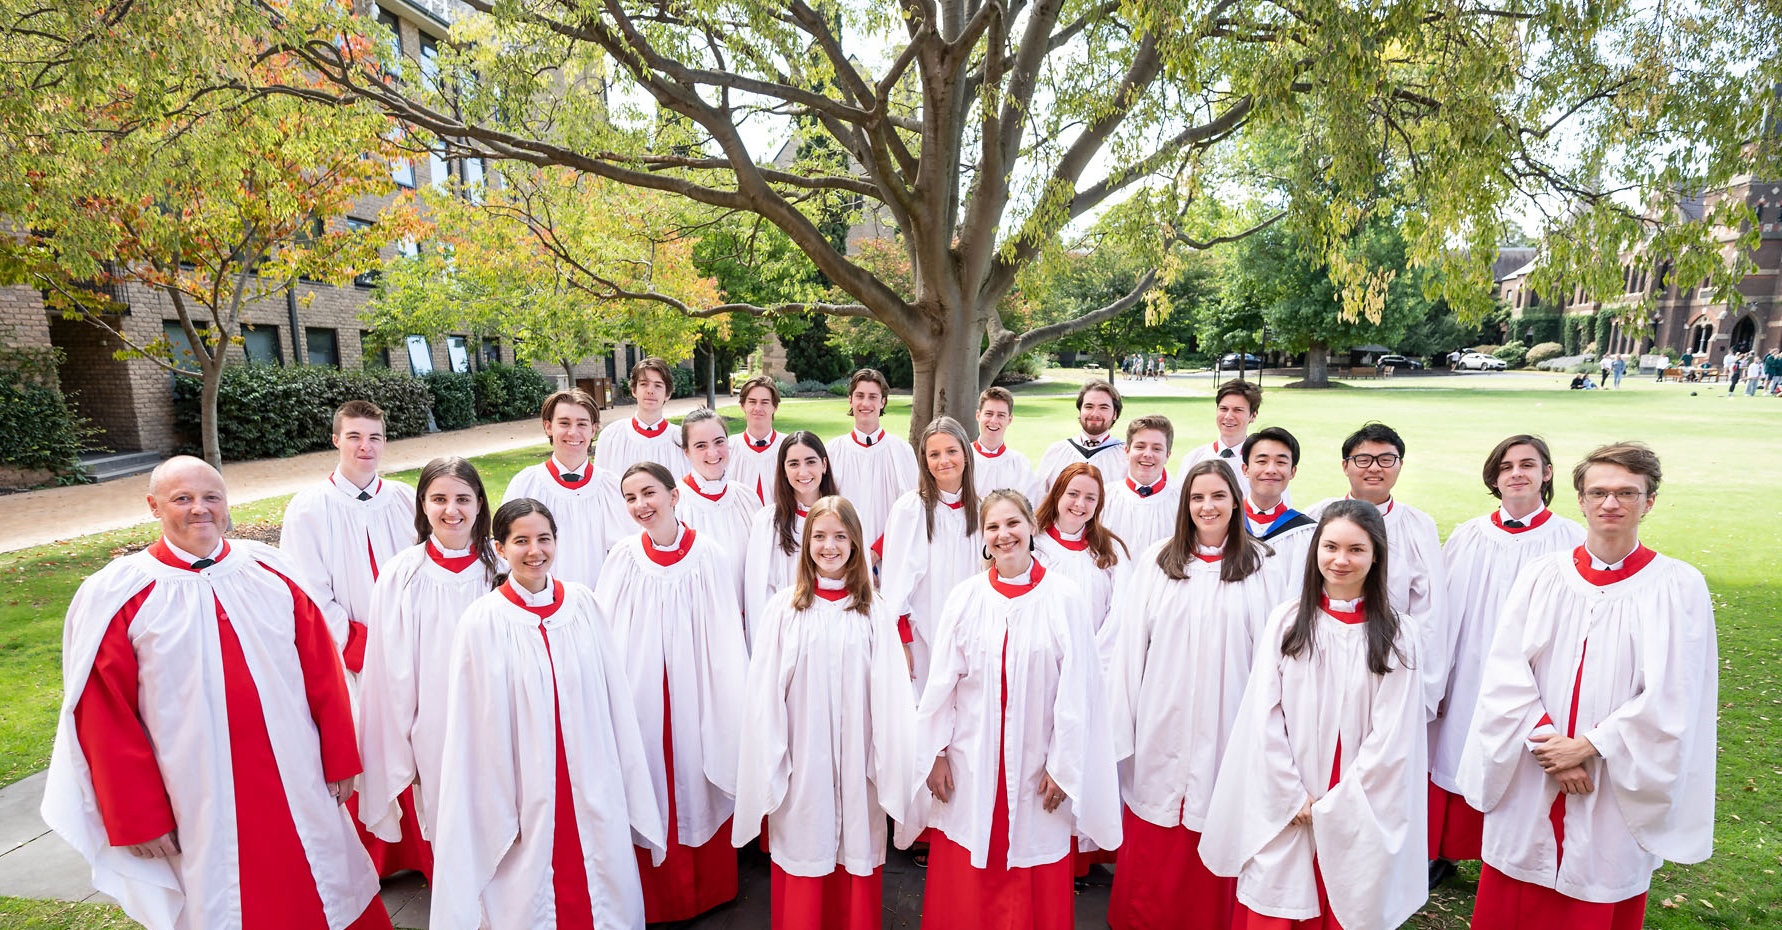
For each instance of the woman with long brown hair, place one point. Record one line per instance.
(1072, 540)
(1189, 613)
(1319, 810)
(803, 476)
(931, 539)
(827, 688)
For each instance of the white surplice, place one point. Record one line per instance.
(178, 648)
(1004, 468)
(1055, 722)
(590, 517)
(512, 676)
(918, 574)
(415, 610)
(723, 512)
(1369, 830)
(681, 624)
(755, 467)
(1217, 450)
(1482, 562)
(1180, 662)
(623, 443)
(872, 476)
(831, 736)
(1056, 551)
(1109, 457)
(767, 569)
(1417, 583)
(1142, 521)
(1643, 656)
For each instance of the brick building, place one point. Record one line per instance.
(1684, 316)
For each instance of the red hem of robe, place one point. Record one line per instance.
(837, 901)
(374, 917)
(691, 879)
(1456, 831)
(1505, 903)
(1160, 881)
(1245, 919)
(1081, 860)
(411, 853)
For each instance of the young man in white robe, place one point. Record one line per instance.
(1141, 507)
(720, 509)
(668, 595)
(1483, 557)
(1592, 746)
(1235, 406)
(872, 468)
(1270, 461)
(205, 745)
(646, 435)
(1098, 409)
(994, 464)
(339, 535)
(1373, 459)
(545, 777)
(584, 500)
(415, 610)
(755, 452)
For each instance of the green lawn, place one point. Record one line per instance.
(1719, 508)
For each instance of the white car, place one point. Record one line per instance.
(1474, 361)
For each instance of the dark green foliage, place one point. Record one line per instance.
(809, 355)
(38, 427)
(1514, 353)
(1546, 327)
(685, 383)
(505, 393)
(454, 398)
(264, 411)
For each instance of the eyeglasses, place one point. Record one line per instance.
(1368, 461)
(1622, 496)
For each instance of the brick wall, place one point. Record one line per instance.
(22, 320)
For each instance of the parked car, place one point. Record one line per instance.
(1473, 361)
(1230, 361)
(1394, 360)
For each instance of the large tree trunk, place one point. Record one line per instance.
(946, 375)
(711, 376)
(1317, 366)
(1113, 364)
(207, 410)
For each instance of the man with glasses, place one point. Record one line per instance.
(1373, 456)
(1592, 744)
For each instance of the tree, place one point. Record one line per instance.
(125, 168)
(1065, 286)
(982, 131)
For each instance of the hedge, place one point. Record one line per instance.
(505, 393)
(38, 427)
(454, 398)
(1513, 353)
(265, 411)
(1541, 352)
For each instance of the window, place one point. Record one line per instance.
(368, 277)
(429, 62)
(408, 248)
(491, 351)
(458, 351)
(475, 174)
(420, 355)
(183, 355)
(401, 169)
(260, 343)
(438, 169)
(322, 346)
(372, 355)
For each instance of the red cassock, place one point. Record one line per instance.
(277, 889)
(691, 879)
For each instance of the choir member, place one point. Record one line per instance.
(874, 467)
(994, 464)
(415, 611)
(1318, 810)
(339, 535)
(644, 436)
(1073, 542)
(545, 778)
(771, 561)
(932, 540)
(1190, 613)
(205, 744)
(759, 443)
(831, 733)
(678, 626)
(1592, 746)
(1142, 507)
(1373, 457)
(1235, 406)
(583, 499)
(1270, 460)
(722, 511)
(1483, 556)
(1015, 719)
(1098, 409)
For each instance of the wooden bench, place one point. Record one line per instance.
(1358, 372)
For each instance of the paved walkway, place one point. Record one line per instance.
(34, 518)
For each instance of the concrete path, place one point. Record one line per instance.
(37, 517)
(35, 863)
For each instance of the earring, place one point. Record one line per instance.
(1031, 545)
(986, 553)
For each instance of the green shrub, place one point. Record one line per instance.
(788, 389)
(505, 393)
(1542, 352)
(454, 398)
(838, 387)
(1022, 368)
(813, 387)
(264, 411)
(1513, 353)
(684, 381)
(38, 427)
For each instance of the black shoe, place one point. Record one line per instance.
(1440, 870)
